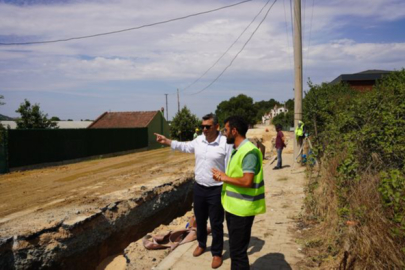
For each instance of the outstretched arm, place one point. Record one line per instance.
(163, 140)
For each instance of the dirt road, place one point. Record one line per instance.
(274, 242)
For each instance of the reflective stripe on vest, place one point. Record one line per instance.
(244, 197)
(244, 201)
(254, 185)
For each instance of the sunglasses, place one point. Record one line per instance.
(205, 126)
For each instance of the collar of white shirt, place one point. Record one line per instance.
(217, 140)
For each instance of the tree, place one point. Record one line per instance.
(55, 118)
(183, 125)
(286, 120)
(241, 105)
(33, 117)
(322, 102)
(289, 104)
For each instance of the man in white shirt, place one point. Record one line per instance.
(211, 151)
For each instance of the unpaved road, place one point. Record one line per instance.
(32, 200)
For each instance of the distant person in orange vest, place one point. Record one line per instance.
(280, 144)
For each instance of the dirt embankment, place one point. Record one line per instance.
(52, 217)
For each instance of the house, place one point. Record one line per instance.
(154, 121)
(267, 117)
(277, 110)
(362, 81)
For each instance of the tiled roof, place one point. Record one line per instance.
(123, 119)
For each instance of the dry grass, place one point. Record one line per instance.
(360, 240)
(371, 240)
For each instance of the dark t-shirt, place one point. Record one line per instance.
(279, 141)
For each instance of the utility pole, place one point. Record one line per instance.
(178, 101)
(297, 72)
(167, 110)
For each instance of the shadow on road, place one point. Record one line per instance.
(271, 261)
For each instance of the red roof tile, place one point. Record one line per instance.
(123, 119)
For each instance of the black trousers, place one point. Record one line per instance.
(240, 230)
(207, 203)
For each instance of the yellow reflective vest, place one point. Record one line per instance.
(299, 131)
(244, 201)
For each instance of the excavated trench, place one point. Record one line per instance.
(83, 242)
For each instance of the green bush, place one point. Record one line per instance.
(367, 130)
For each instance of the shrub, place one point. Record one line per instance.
(363, 134)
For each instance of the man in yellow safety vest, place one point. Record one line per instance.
(299, 131)
(242, 191)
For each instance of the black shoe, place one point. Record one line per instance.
(276, 168)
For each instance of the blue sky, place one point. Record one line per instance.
(133, 70)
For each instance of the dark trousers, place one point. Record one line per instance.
(207, 203)
(279, 157)
(240, 229)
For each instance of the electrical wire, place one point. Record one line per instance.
(123, 30)
(216, 62)
(265, 16)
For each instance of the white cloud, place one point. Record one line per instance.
(175, 54)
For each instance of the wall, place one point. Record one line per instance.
(37, 146)
(157, 125)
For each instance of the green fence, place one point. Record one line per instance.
(36, 146)
(3, 151)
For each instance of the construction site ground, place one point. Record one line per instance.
(31, 200)
(36, 199)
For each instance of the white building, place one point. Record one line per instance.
(277, 110)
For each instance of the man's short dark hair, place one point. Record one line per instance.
(279, 126)
(211, 116)
(239, 123)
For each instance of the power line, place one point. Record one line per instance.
(265, 16)
(123, 30)
(216, 62)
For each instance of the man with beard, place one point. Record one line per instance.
(242, 191)
(211, 151)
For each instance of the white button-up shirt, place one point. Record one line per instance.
(207, 156)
